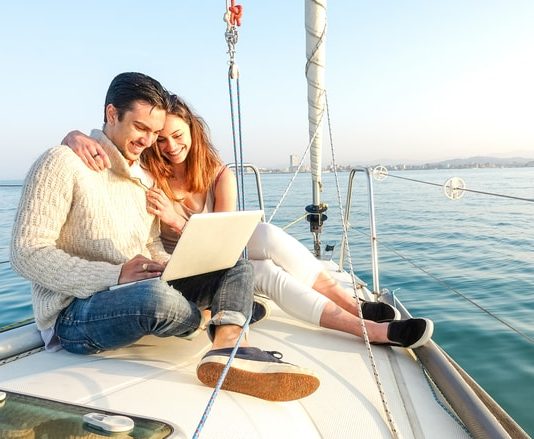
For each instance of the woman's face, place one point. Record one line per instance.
(174, 141)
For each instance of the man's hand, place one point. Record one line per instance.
(139, 268)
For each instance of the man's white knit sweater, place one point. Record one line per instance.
(76, 227)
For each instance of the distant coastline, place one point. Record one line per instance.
(480, 162)
(468, 163)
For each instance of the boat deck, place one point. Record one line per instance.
(156, 378)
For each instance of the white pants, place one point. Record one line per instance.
(285, 270)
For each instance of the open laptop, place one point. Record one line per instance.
(209, 242)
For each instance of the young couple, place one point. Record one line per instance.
(78, 232)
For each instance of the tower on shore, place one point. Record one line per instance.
(293, 162)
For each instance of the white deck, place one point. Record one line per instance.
(156, 378)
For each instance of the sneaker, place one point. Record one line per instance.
(257, 373)
(379, 311)
(410, 333)
(260, 309)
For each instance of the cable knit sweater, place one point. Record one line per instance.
(76, 227)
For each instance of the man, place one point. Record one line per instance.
(78, 232)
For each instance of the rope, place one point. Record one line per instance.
(433, 388)
(454, 290)
(238, 145)
(282, 198)
(22, 355)
(241, 168)
(392, 425)
(220, 382)
(295, 222)
(10, 185)
(233, 19)
(236, 12)
(511, 197)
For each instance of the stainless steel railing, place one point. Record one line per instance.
(259, 189)
(372, 224)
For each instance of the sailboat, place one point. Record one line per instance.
(150, 390)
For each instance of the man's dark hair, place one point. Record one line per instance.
(126, 88)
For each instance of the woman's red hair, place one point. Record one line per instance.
(202, 162)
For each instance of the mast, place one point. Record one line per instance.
(315, 22)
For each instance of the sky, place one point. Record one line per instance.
(407, 81)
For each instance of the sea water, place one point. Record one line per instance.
(468, 264)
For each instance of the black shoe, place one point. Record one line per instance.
(260, 309)
(379, 311)
(410, 333)
(257, 373)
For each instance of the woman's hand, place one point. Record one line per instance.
(88, 149)
(161, 206)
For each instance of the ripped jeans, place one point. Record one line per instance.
(116, 318)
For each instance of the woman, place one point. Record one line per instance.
(190, 178)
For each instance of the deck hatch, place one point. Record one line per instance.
(25, 416)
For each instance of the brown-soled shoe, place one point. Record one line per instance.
(257, 373)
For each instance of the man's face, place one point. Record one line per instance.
(137, 130)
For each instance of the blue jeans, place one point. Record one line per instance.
(120, 317)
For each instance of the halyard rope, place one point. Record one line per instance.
(392, 425)
(233, 19)
(220, 381)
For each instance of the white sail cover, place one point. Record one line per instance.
(315, 14)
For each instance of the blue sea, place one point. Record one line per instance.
(468, 264)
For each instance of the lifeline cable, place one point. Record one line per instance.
(454, 290)
(511, 197)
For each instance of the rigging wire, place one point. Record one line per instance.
(233, 19)
(463, 189)
(283, 197)
(280, 202)
(389, 416)
(450, 288)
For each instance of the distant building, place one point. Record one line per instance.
(293, 162)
